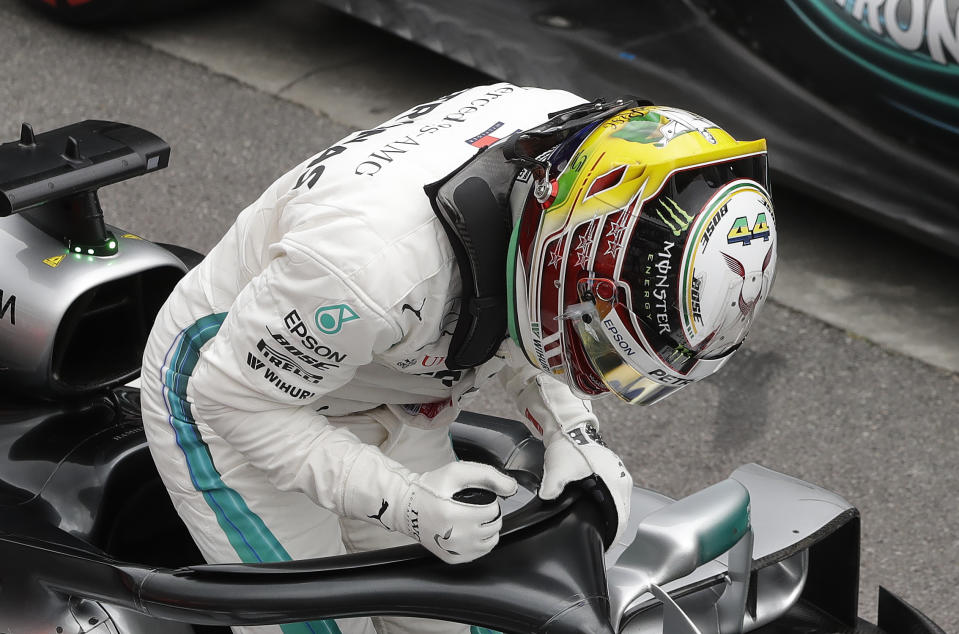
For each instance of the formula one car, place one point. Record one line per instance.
(90, 542)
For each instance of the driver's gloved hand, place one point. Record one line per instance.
(421, 505)
(456, 532)
(574, 449)
(578, 452)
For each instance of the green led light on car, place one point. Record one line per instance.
(105, 249)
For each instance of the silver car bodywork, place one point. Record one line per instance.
(787, 514)
(47, 281)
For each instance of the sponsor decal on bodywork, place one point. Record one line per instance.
(54, 261)
(904, 27)
(8, 306)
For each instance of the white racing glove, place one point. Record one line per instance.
(567, 425)
(422, 505)
(579, 452)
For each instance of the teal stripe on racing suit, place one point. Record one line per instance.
(249, 536)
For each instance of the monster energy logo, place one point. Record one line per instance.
(674, 223)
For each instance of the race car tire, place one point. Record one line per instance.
(94, 12)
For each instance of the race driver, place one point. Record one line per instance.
(299, 384)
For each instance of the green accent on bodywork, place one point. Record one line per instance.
(476, 629)
(899, 81)
(244, 529)
(724, 535)
(511, 256)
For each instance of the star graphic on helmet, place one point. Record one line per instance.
(556, 255)
(616, 235)
(583, 248)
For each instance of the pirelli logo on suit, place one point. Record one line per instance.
(279, 360)
(272, 377)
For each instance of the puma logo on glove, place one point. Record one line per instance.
(379, 516)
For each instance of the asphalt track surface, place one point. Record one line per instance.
(802, 397)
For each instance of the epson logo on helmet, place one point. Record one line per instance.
(618, 335)
(618, 338)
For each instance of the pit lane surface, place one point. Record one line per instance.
(242, 95)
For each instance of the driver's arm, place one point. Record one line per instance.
(567, 425)
(253, 383)
(543, 401)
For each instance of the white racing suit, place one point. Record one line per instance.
(304, 358)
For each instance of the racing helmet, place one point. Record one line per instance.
(641, 253)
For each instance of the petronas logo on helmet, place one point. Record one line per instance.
(677, 224)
